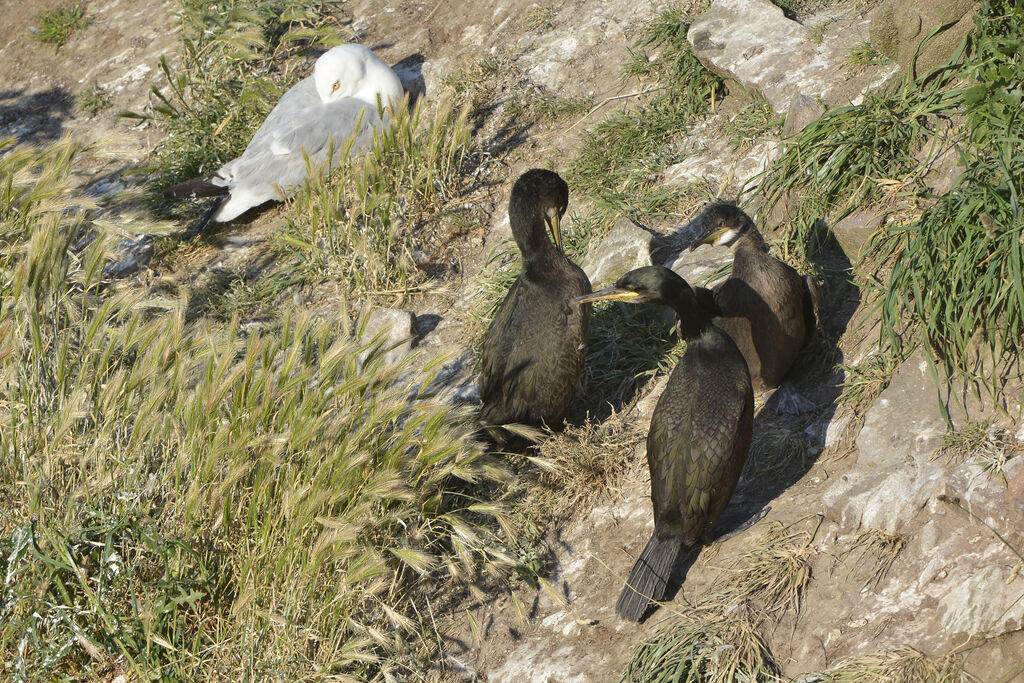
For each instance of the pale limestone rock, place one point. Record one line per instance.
(894, 476)
(899, 26)
(854, 232)
(626, 247)
(392, 329)
(751, 42)
(988, 603)
(802, 112)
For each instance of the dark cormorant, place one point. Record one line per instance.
(534, 350)
(766, 307)
(699, 434)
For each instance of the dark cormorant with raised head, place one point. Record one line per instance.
(766, 307)
(699, 435)
(535, 348)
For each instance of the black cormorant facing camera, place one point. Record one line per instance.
(699, 435)
(535, 348)
(766, 307)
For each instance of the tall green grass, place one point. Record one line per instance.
(957, 270)
(957, 281)
(193, 500)
(852, 156)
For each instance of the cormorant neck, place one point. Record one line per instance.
(692, 318)
(531, 235)
(751, 240)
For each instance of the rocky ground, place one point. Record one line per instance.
(943, 579)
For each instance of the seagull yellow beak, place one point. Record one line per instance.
(611, 294)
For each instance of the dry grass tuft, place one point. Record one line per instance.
(900, 665)
(772, 577)
(694, 647)
(587, 461)
(883, 545)
(980, 443)
(867, 380)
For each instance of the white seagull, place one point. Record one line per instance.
(321, 112)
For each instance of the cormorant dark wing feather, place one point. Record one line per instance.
(502, 361)
(699, 437)
(534, 351)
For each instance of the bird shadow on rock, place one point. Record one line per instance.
(665, 248)
(410, 71)
(35, 118)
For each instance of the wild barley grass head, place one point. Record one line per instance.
(285, 483)
(359, 223)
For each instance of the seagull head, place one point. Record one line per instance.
(353, 70)
(339, 72)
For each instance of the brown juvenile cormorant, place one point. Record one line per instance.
(699, 434)
(766, 307)
(534, 350)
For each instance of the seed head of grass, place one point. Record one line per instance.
(175, 487)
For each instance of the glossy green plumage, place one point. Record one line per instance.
(698, 439)
(534, 350)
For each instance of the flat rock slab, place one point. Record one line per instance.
(626, 247)
(390, 331)
(752, 42)
(894, 475)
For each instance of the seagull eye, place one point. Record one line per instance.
(335, 87)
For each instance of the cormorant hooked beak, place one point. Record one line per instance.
(552, 218)
(712, 237)
(612, 294)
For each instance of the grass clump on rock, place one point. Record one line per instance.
(956, 260)
(617, 165)
(722, 649)
(958, 270)
(56, 26)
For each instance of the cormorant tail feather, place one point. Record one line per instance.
(649, 578)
